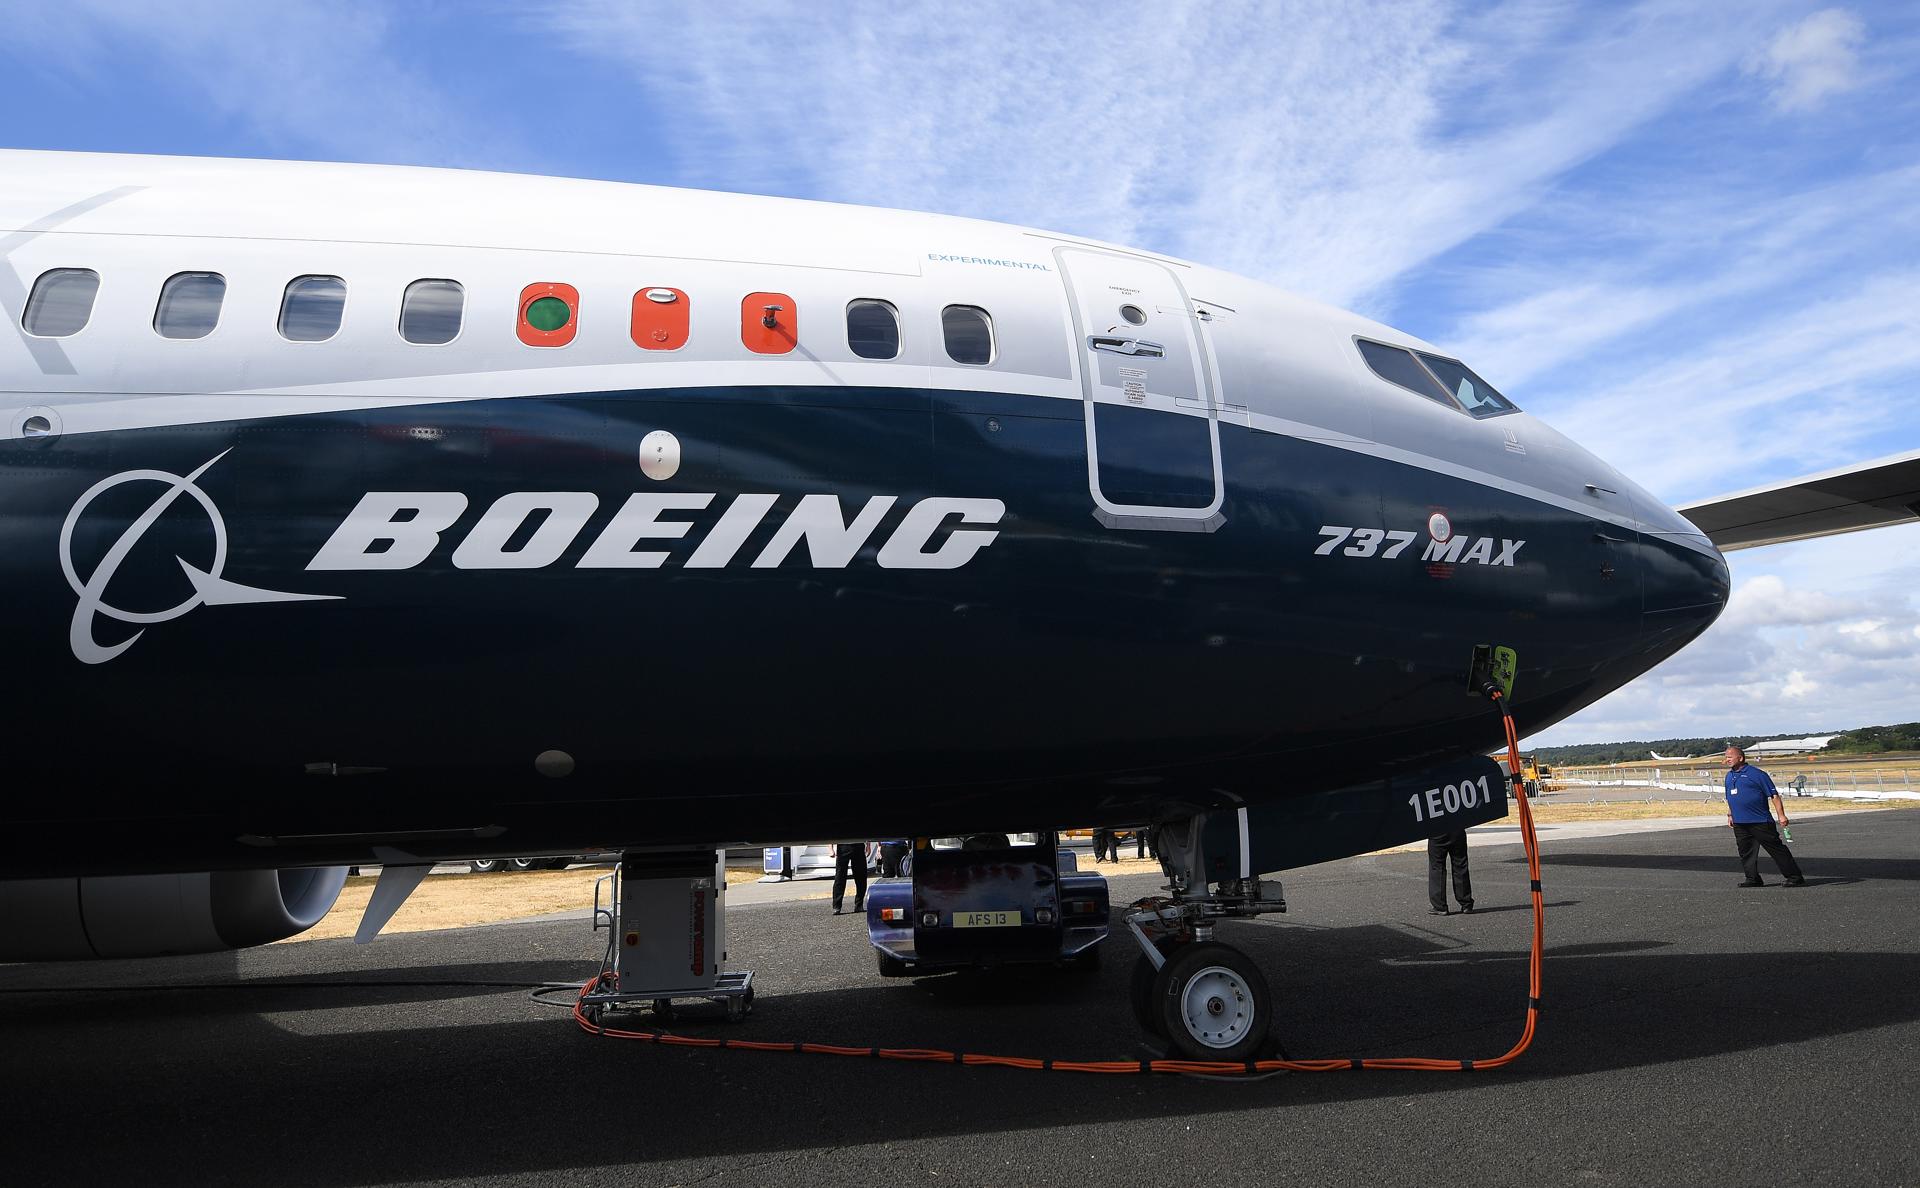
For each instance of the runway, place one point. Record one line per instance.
(1691, 1032)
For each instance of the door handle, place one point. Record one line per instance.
(1126, 346)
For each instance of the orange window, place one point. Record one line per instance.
(769, 323)
(660, 318)
(549, 314)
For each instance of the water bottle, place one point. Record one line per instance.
(1786, 834)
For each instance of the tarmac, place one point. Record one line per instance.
(1691, 1032)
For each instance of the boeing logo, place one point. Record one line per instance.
(209, 587)
(398, 530)
(401, 529)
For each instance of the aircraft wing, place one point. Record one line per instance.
(1867, 495)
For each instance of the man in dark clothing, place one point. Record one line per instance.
(1102, 840)
(1439, 849)
(852, 854)
(1750, 791)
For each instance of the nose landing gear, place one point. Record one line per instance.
(1208, 1000)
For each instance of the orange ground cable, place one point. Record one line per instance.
(1197, 1067)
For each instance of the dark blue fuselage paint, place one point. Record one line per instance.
(1068, 673)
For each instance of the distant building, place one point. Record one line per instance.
(1792, 746)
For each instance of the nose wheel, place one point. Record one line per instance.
(1213, 1003)
(1208, 1001)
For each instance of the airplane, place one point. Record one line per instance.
(363, 514)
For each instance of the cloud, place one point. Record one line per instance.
(1767, 601)
(303, 77)
(1808, 61)
(1623, 265)
(1801, 389)
(1325, 153)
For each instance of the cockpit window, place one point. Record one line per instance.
(1398, 366)
(1474, 394)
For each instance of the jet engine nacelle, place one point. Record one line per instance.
(155, 915)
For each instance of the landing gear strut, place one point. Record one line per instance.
(1208, 1000)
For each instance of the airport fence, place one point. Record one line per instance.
(1882, 784)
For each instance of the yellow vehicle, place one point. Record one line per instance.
(1534, 774)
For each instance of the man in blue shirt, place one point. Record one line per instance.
(1750, 791)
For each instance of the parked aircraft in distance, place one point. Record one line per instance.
(359, 514)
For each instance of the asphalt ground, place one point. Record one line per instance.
(1692, 1032)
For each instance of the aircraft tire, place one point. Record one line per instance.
(1214, 1003)
(1143, 990)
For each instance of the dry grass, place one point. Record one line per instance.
(1893, 761)
(1553, 810)
(455, 901)
(1126, 866)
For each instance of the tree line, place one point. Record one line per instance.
(1867, 740)
(1872, 740)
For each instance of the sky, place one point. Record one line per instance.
(1683, 233)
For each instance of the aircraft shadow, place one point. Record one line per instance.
(220, 993)
(405, 1087)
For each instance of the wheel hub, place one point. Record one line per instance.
(1217, 1007)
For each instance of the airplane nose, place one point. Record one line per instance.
(1685, 581)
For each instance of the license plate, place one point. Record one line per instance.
(986, 919)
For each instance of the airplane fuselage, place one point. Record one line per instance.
(1173, 544)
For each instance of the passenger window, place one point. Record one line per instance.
(873, 329)
(969, 333)
(1398, 366)
(1474, 394)
(190, 305)
(430, 312)
(549, 314)
(311, 307)
(61, 302)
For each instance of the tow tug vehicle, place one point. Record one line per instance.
(987, 899)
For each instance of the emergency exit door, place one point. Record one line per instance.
(1152, 418)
